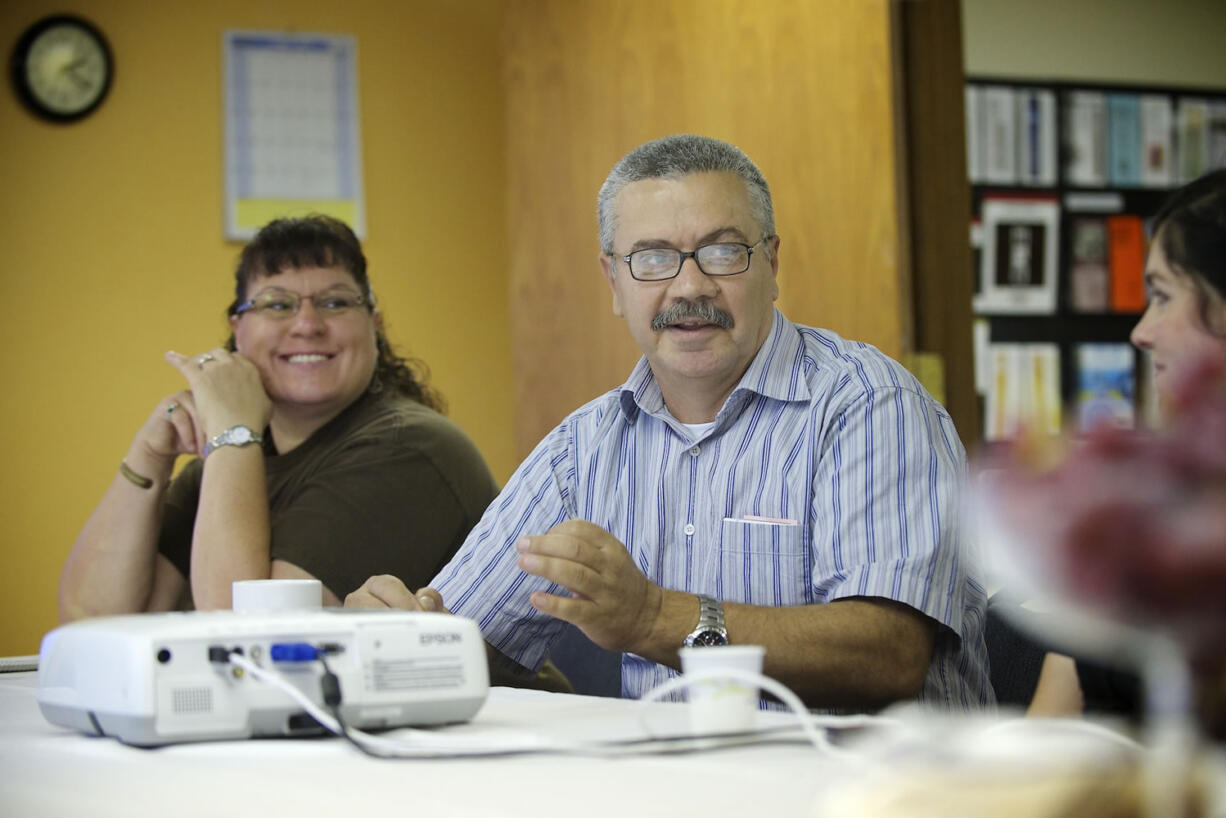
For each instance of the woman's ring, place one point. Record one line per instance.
(204, 359)
(170, 410)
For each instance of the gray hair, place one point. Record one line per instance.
(675, 156)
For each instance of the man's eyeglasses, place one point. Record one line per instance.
(285, 303)
(725, 258)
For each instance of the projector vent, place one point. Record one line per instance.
(413, 674)
(192, 699)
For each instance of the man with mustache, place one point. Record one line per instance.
(754, 481)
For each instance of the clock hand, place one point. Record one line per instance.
(71, 70)
(80, 81)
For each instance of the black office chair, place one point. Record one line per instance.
(1015, 657)
(592, 670)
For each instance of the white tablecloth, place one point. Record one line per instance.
(49, 771)
(922, 765)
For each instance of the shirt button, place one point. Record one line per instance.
(695, 451)
(689, 529)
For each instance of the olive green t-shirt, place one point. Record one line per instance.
(387, 487)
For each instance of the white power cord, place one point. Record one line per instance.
(808, 722)
(431, 744)
(418, 743)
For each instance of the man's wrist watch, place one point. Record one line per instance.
(234, 436)
(710, 631)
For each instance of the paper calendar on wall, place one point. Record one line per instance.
(291, 129)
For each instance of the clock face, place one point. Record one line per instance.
(62, 68)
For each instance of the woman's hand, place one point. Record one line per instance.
(387, 591)
(225, 390)
(171, 430)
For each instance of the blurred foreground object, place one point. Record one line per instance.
(918, 764)
(1128, 527)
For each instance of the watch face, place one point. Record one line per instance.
(239, 435)
(62, 68)
(709, 639)
(234, 436)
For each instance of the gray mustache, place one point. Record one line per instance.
(703, 311)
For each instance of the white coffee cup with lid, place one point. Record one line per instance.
(722, 705)
(269, 595)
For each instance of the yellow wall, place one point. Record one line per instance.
(1164, 42)
(112, 230)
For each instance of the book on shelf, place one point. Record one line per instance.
(1216, 137)
(1193, 138)
(1023, 391)
(1036, 137)
(1106, 385)
(1148, 405)
(1085, 138)
(1089, 274)
(1157, 147)
(999, 116)
(974, 134)
(1019, 258)
(1124, 139)
(1126, 254)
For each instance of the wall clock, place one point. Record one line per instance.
(62, 68)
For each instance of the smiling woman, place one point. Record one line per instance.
(321, 453)
(1185, 277)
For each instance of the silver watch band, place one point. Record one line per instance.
(710, 629)
(234, 436)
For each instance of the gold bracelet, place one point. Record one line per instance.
(134, 478)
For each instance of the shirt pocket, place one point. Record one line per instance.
(762, 564)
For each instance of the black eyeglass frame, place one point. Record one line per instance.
(749, 251)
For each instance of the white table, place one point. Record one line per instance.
(49, 771)
(927, 766)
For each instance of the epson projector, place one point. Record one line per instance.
(151, 679)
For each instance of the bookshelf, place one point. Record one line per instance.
(1064, 176)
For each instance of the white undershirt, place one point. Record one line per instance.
(697, 430)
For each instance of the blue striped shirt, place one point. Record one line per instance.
(829, 433)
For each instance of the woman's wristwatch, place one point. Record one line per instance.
(234, 436)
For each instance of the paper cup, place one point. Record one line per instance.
(265, 595)
(722, 706)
